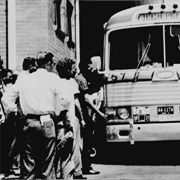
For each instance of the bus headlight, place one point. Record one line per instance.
(123, 113)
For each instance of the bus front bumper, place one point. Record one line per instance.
(143, 132)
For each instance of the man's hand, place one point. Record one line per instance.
(9, 113)
(103, 115)
(63, 138)
(83, 124)
(2, 118)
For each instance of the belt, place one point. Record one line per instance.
(33, 116)
(37, 116)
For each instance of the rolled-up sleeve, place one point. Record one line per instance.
(65, 101)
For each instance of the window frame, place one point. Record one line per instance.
(63, 19)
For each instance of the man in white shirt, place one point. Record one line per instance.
(40, 97)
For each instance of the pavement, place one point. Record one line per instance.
(17, 173)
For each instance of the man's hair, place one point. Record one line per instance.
(64, 67)
(44, 58)
(26, 63)
(33, 67)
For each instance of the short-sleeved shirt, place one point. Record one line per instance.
(38, 93)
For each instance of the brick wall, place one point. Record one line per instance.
(31, 28)
(34, 28)
(3, 31)
(58, 47)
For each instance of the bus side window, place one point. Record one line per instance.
(173, 45)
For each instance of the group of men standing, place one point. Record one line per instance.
(51, 119)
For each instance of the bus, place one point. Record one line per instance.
(141, 59)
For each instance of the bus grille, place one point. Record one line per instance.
(142, 93)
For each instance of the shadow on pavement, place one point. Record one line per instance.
(149, 153)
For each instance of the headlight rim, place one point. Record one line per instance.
(126, 113)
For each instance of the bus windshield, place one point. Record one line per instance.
(137, 47)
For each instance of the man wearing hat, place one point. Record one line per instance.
(39, 103)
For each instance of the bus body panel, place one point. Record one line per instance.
(143, 93)
(148, 95)
(144, 132)
(142, 15)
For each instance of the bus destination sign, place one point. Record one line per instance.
(159, 16)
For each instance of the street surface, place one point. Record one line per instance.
(149, 161)
(132, 172)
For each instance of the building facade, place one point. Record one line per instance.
(30, 26)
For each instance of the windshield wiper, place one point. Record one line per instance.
(143, 58)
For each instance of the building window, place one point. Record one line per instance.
(60, 20)
(70, 20)
(64, 20)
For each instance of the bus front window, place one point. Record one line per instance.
(127, 47)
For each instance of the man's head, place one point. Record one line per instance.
(26, 63)
(65, 67)
(33, 67)
(45, 60)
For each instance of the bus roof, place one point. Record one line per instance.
(145, 14)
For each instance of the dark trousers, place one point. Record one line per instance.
(3, 149)
(87, 145)
(39, 150)
(11, 142)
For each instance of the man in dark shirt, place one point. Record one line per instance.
(87, 86)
